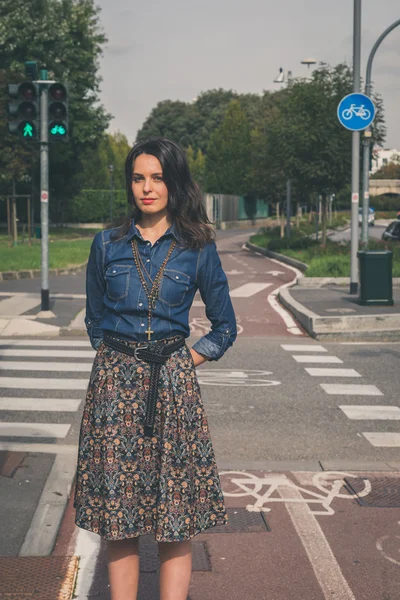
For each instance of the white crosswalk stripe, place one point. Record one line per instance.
(303, 348)
(350, 389)
(22, 393)
(22, 352)
(371, 413)
(46, 366)
(249, 289)
(41, 404)
(353, 412)
(47, 343)
(307, 358)
(321, 372)
(382, 439)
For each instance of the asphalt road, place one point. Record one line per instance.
(375, 232)
(267, 403)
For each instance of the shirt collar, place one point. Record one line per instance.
(134, 231)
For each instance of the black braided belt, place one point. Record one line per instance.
(156, 354)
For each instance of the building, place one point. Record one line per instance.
(384, 156)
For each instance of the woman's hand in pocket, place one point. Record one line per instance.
(197, 358)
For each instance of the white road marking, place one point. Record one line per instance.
(53, 295)
(14, 307)
(381, 439)
(369, 413)
(47, 343)
(45, 404)
(65, 449)
(37, 383)
(350, 389)
(303, 348)
(274, 273)
(325, 566)
(306, 358)
(45, 366)
(321, 372)
(47, 430)
(234, 272)
(48, 353)
(248, 289)
(88, 548)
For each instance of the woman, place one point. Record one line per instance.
(146, 462)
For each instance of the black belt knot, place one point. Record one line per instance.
(156, 354)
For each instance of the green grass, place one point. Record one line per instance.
(62, 254)
(333, 260)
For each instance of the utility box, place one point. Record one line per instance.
(376, 284)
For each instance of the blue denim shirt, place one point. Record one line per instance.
(116, 301)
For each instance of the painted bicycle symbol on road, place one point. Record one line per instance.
(239, 484)
(356, 111)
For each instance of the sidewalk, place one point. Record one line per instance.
(330, 312)
(292, 535)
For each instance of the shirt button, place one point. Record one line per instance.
(148, 260)
(148, 243)
(114, 271)
(142, 324)
(176, 277)
(140, 303)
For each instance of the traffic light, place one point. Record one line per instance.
(24, 110)
(58, 113)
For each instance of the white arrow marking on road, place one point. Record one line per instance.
(275, 273)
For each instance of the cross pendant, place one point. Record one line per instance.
(149, 332)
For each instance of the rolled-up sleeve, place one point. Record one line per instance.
(214, 291)
(95, 288)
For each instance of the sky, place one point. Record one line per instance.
(176, 49)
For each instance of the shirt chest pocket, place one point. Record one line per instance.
(173, 288)
(117, 281)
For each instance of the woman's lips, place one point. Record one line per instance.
(148, 200)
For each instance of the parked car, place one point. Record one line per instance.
(371, 216)
(392, 231)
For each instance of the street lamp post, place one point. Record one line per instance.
(111, 170)
(367, 134)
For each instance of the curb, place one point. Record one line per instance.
(281, 257)
(361, 327)
(31, 273)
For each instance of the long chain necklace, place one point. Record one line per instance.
(151, 293)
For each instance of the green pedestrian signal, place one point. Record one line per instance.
(27, 130)
(58, 113)
(24, 110)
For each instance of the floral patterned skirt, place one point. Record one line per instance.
(129, 485)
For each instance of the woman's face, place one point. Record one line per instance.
(149, 190)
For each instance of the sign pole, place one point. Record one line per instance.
(355, 153)
(44, 191)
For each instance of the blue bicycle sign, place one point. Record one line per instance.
(356, 112)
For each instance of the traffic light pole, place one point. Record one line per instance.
(44, 193)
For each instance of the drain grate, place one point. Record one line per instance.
(150, 562)
(385, 492)
(37, 577)
(10, 462)
(242, 521)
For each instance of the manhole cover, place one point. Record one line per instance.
(38, 577)
(385, 492)
(150, 562)
(242, 521)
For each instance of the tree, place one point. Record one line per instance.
(197, 165)
(228, 154)
(390, 170)
(305, 137)
(64, 35)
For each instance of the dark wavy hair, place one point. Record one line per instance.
(185, 200)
